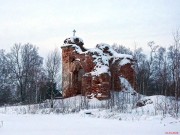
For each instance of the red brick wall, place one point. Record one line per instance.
(97, 86)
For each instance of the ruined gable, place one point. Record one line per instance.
(94, 72)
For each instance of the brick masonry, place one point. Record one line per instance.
(77, 77)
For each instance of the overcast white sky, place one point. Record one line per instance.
(46, 23)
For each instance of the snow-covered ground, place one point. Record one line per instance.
(68, 117)
(77, 124)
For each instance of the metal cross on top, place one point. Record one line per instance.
(74, 31)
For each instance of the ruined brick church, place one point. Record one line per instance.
(95, 72)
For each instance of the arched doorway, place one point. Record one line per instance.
(77, 74)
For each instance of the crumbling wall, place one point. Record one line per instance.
(126, 71)
(79, 71)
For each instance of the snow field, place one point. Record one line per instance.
(40, 119)
(75, 124)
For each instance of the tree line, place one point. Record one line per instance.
(157, 73)
(26, 77)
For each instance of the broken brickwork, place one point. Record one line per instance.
(94, 72)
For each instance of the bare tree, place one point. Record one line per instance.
(25, 64)
(176, 70)
(15, 61)
(141, 69)
(6, 84)
(52, 69)
(121, 49)
(177, 62)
